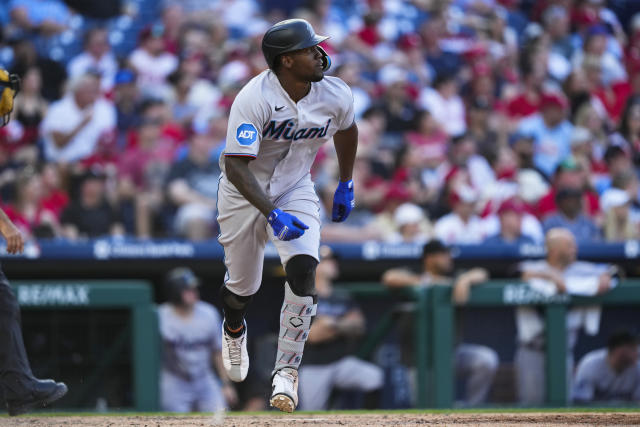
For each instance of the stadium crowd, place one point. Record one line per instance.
(480, 120)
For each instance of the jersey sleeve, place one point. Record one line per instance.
(248, 115)
(347, 116)
(583, 386)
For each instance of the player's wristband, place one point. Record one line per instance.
(273, 215)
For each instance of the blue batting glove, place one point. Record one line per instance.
(286, 226)
(343, 201)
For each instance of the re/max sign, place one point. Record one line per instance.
(47, 295)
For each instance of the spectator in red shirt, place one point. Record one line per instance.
(527, 102)
(54, 197)
(142, 171)
(28, 212)
(613, 95)
(568, 175)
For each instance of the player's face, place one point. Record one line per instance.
(307, 64)
(190, 297)
(440, 263)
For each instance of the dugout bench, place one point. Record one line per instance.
(435, 329)
(142, 331)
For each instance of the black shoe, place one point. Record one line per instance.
(42, 393)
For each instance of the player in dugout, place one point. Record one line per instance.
(23, 392)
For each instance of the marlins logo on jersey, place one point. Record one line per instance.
(285, 130)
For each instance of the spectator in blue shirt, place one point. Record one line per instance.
(551, 133)
(510, 214)
(570, 216)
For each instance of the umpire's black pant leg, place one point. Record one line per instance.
(15, 372)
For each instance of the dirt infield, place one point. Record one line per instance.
(339, 419)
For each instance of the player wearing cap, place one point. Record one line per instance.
(277, 123)
(190, 343)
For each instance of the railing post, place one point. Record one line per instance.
(442, 346)
(556, 354)
(146, 357)
(422, 345)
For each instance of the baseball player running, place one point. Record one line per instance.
(277, 123)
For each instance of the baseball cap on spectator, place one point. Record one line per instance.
(434, 246)
(597, 30)
(531, 185)
(512, 205)
(407, 213)
(409, 41)
(568, 164)
(124, 76)
(233, 75)
(552, 99)
(94, 172)
(612, 152)
(613, 198)
(583, 18)
(580, 136)
(532, 32)
(391, 74)
(397, 192)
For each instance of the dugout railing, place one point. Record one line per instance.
(435, 329)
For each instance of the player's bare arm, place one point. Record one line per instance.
(400, 278)
(464, 282)
(61, 139)
(346, 143)
(237, 170)
(15, 242)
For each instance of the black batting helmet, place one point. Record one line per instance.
(178, 280)
(287, 36)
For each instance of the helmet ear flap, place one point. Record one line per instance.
(10, 84)
(326, 59)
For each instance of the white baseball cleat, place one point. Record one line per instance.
(235, 357)
(284, 395)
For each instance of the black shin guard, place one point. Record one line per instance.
(301, 275)
(234, 307)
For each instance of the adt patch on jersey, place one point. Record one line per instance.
(246, 134)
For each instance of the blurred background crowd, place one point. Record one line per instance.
(480, 120)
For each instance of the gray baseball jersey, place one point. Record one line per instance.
(596, 381)
(283, 137)
(189, 343)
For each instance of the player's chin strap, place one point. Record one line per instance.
(326, 59)
(295, 323)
